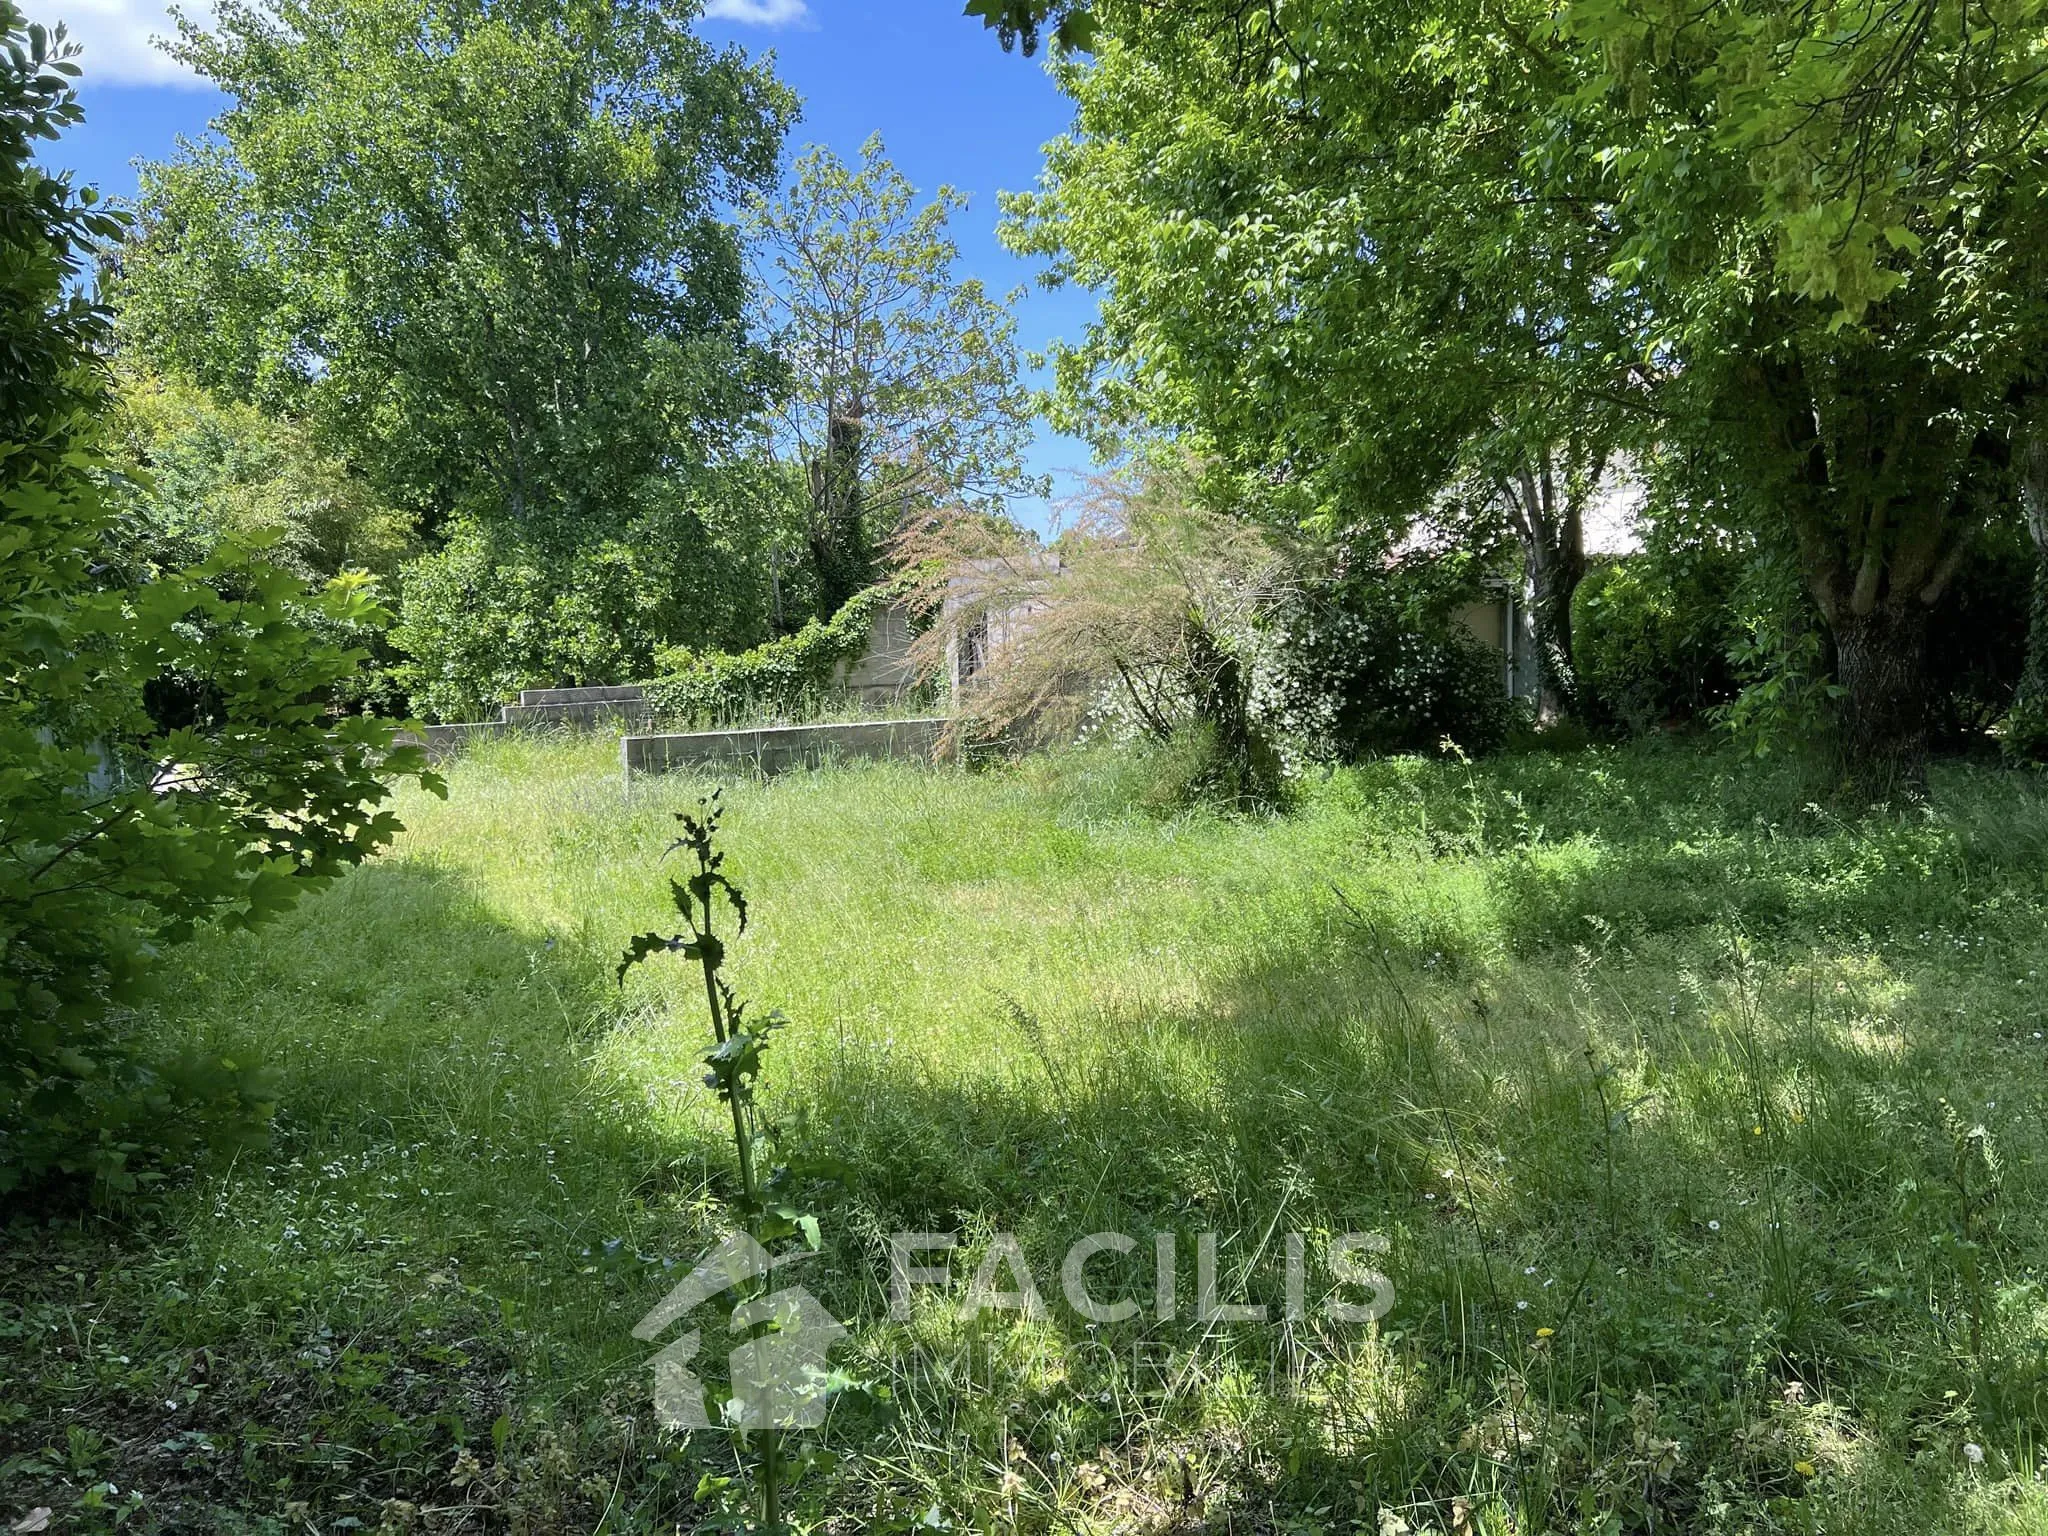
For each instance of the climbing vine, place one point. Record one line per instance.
(789, 676)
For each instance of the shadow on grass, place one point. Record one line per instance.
(419, 1297)
(1730, 1202)
(1645, 1260)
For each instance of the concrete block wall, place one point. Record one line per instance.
(777, 748)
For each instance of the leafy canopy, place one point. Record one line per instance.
(482, 247)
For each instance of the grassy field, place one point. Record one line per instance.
(1705, 1130)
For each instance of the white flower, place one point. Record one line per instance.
(1713, 1226)
(1521, 1306)
(1529, 1269)
(1973, 1453)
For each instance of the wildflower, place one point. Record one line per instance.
(1803, 1468)
(1713, 1226)
(1973, 1453)
(1521, 1306)
(1756, 1130)
(1546, 1333)
(1529, 1269)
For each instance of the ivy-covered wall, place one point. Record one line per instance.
(793, 676)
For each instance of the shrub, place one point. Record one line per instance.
(119, 833)
(1380, 666)
(492, 613)
(789, 676)
(1652, 636)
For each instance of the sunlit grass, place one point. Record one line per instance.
(1636, 1061)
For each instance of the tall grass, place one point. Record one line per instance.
(1705, 1130)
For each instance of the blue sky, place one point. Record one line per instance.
(951, 105)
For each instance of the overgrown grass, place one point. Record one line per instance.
(1664, 1088)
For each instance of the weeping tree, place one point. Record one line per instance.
(1144, 615)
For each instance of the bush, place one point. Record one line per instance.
(1381, 666)
(1652, 637)
(123, 834)
(491, 613)
(789, 676)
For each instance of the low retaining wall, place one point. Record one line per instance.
(774, 748)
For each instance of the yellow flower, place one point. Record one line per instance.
(1544, 1333)
(1803, 1468)
(1756, 1130)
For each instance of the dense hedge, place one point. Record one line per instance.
(1374, 666)
(1652, 636)
(790, 676)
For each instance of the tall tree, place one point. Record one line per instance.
(901, 376)
(481, 246)
(1324, 260)
(1808, 235)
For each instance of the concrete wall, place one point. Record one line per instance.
(772, 749)
(884, 674)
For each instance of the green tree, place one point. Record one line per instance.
(902, 386)
(1837, 211)
(121, 830)
(1808, 240)
(480, 248)
(195, 471)
(1323, 260)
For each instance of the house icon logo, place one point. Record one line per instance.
(778, 1375)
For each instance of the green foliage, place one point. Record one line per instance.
(1381, 665)
(789, 676)
(491, 613)
(194, 472)
(1018, 22)
(1651, 636)
(480, 250)
(1346, 250)
(900, 388)
(124, 835)
(121, 831)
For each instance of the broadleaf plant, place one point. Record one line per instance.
(733, 1062)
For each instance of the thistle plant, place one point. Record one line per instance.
(734, 1061)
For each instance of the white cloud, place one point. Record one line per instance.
(759, 13)
(114, 36)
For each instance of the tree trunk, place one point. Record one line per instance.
(1544, 503)
(840, 549)
(1554, 577)
(2026, 727)
(1881, 663)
